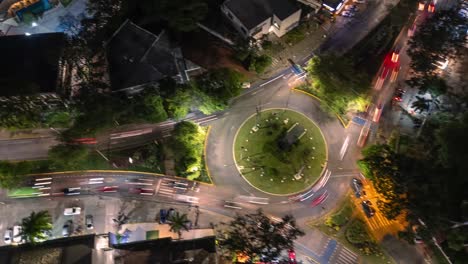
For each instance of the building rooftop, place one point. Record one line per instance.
(137, 56)
(30, 64)
(253, 12)
(70, 250)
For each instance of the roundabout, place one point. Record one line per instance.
(279, 151)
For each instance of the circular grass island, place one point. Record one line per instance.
(280, 151)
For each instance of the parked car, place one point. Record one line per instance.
(357, 187)
(8, 235)
(89, 222)
(347, 14)
(66, 228)
(359, 1)
(72, 211)
(368, 210)
(17, 237)
(162, 216)
(170, 213)
(351, 7)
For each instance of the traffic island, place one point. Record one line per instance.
(280, 151)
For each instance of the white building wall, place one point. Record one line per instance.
(262, 29)
(282, 27)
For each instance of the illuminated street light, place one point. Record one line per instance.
(27, 34)
(34, 24)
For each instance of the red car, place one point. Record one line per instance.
(292, 256)
(108, 189)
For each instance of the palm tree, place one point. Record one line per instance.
(36, 226)
(421, 104)
(178, 223)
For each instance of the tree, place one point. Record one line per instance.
(336, 80)
(178, 222)
(259, 63)
(36, 226)
(11, 173)
(428, 83)
(154, 109)
(255, 234)
(221, 85)
(67, 157)
(188, 141)
(183, 15)
(438, 37)
(381, 166)
(178, 105)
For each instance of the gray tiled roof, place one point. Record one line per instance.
(137, 57)
(252, 12)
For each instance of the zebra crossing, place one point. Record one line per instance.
(378, 221)
(343, 255)
(165, 188)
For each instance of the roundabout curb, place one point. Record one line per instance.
(322, 173)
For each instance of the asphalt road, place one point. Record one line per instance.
(274, 93)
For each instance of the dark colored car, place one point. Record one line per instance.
(162, 216)
(368, 210)
(170, 213)
(357, 187)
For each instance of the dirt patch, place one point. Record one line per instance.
(210, 53)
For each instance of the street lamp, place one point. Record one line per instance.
(34, 24)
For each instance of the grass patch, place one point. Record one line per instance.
(267, 165)
(350, 230)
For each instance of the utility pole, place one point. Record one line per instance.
(197, 214)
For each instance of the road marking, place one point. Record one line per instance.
(344, 148)
(272, 80)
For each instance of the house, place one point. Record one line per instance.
(138, 58)
(256, 18)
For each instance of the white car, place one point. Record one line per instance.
(89, 222)
(7, 236)
(72, 211)
(359, 1)
(17, 230)
(347, 14)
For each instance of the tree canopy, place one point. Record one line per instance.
(11, 173)
(337, 82)
(254, 235)
(188, 140)
(36, 226)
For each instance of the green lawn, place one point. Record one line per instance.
(266, 166)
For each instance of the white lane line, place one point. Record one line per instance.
(272, 80)
(208, 120)
(344, 148)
